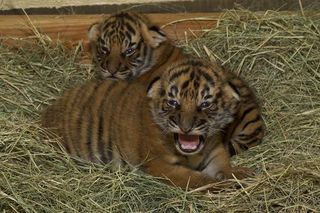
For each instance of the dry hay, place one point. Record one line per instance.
(277, 53)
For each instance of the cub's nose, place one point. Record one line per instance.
(186, 129)
(112, 69)
(186, 122)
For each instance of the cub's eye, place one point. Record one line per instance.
(173, 103)
(129, 51)
(205, 105)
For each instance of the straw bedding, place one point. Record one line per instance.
(277, 53)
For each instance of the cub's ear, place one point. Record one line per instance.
(231, 91)
(153, 35)
(94, 32)
(154, 87)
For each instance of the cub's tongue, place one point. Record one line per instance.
(189, 142)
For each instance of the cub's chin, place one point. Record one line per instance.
(188, 144)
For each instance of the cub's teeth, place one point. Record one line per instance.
(188, 146)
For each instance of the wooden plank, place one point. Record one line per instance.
(73, 28)
(18, 4)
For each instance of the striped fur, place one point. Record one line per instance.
(238, 118)
(248, 129)
(122, 29)
(126, 45)
(101, 122)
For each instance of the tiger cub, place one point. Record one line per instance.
(172, 129)
(127, 45)
(247, 127)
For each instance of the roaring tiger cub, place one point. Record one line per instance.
(129, 46)
(172, 129)
(247, 127)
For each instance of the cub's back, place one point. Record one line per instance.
(85, 116)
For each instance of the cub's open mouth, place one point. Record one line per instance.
(188, 144)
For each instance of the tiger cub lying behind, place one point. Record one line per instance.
(127, 45)
(171, 130)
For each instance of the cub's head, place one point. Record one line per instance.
(192, 102)
(123, 45)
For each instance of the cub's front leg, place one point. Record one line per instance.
(179, 175)
(217, 165)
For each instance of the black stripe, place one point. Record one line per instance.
(147, 56)
(218, 95)
(252, 142)
(152, 82)
(257, 118)
(192, 75)
(234, 88)
(185, 84)
(125, 92)
(204, 91)
(157, 29)
(106, 27)
(252, 135)
(74, 103)
(82, 118)
(110, 143)
(206, 76)
(121, 35)
(196, 84)
(162, 93)
(128, 35)
(203, 165)
(111, 33)
(207, 97)
(247, 111)
(101, 133)
(231, 149)
(243, 146)
(140, 42)
(179, 73)
(89, 135)
(100, 143)
(195, 63)
(124, 16)
(130, 29)
(101, 41)
(145, 52)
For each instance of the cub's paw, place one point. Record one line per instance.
(241, 172)
(238, 172)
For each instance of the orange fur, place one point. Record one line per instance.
(115, 122)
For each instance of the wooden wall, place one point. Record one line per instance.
(170, 7)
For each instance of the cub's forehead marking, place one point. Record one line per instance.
(193, 77)
(120, 22)
(185, 84)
